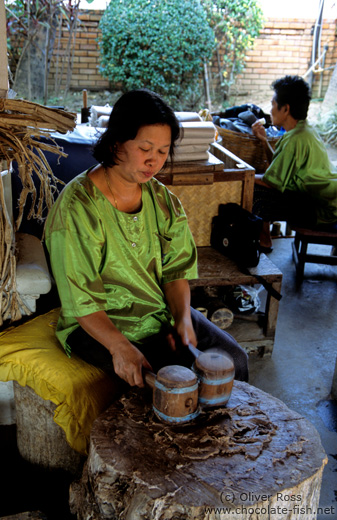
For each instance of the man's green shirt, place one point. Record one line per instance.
(104, 259)
(301, 163)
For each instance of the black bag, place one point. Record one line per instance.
(236, 233)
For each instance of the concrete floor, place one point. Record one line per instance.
(299, 372)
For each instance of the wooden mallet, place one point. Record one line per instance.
(215, 371)
(175, 394)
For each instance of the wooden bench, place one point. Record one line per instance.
(257, 335)
(304, 237)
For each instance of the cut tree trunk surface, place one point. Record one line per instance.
(255, 457)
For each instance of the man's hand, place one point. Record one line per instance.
(259, 131)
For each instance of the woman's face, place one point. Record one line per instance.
(143, 157)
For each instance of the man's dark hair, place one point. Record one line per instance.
(132, 111)
(295, 92)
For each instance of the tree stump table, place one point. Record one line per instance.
(254, 459)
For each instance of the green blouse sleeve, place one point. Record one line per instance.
(179, 253)
(75, 242)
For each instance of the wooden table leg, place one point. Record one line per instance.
(272, 305)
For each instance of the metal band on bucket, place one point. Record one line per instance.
(215, 381)
(169, 418)
(216, 400)
(182, 390)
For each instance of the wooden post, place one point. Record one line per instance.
(3, 53)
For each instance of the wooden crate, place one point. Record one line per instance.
(202, 185)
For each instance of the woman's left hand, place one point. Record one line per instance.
(184, 331)
(179, 300)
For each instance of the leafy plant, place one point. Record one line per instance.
(327, 127)
(236, 24)
(157, 44)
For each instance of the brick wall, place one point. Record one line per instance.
(283, 47)
(85, 74)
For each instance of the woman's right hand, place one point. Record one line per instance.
(129, 362)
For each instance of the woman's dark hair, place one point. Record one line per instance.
(295, 92)
(133, 110)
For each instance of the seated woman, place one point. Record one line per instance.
(121, 253)
(300, 185)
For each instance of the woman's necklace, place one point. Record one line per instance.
(108, 183)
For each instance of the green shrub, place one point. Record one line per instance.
(156, 44)
(327, 127)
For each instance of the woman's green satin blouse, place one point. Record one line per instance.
(104, 259)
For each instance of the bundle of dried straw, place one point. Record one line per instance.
(22, 125)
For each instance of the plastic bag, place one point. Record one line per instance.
(243, 299)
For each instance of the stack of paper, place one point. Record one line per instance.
(196, 139)
(196, 135)
(99, 116)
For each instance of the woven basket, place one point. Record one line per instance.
(247, 147)
(201, 204)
